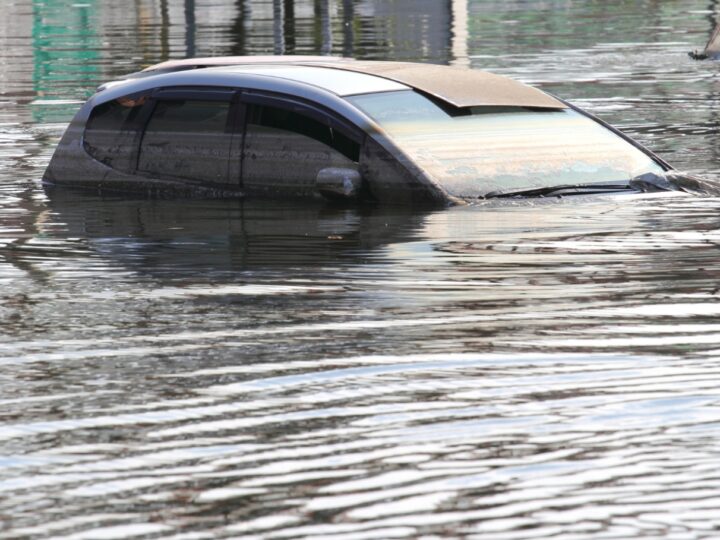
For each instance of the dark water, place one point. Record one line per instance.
(219, 369)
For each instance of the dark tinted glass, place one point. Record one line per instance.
(304, 125)
(189, 116)
(285, 150)
(187, 139)
(111, 130)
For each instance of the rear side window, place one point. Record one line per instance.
(188, 139)
(111, 131)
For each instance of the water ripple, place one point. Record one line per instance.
(227, 369)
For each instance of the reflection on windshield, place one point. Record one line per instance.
(495, 149)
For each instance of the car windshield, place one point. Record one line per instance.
(475, 151)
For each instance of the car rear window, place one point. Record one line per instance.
(483, 149)
(111, 130)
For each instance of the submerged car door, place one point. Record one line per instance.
(188, 136)
(288, 142)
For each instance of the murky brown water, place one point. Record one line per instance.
(219, 369)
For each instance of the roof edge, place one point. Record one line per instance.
(459, 87)
(219, 61)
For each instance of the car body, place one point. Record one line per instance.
(311, 127)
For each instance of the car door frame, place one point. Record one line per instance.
(298, 105)
(204, 93)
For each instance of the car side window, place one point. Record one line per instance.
(111, 131)
(295, 122)
(285, 149)
(187, 139)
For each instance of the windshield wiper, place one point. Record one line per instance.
(644, 183)
(572, 189)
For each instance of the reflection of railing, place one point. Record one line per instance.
(441, 30)
(406, 27)
(66, 47)
(284, 27)
(99, 38)
(459, 33)
(190, 28)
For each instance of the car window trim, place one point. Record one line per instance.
(237, 119)
(313, 110)
(200, 94)
(652, 155)
(236, 125)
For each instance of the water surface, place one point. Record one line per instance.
(227, 369)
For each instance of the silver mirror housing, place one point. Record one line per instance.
(339, 183)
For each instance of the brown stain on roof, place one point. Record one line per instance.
(459, 87)
(456, 86)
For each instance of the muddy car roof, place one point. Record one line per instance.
(457, 86)
(340, 82)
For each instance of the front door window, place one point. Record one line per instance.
(285, 150)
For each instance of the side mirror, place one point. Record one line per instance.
(339, 183)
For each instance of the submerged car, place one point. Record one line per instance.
(388, 132)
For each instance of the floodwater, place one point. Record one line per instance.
(224, 369)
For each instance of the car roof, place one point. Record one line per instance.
(341, 83)
(458, 87)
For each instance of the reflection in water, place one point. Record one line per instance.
(190, 28)
(162, 235)
(279, 27)
(459, 39)
(348, 28)
(301, 371)
(218, 369)
(65, 46)
(322, 15)
(66, 40)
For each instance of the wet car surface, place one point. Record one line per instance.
(361, 131)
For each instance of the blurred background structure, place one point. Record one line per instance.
(186, 28)
(95, 41)
(90, 40)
